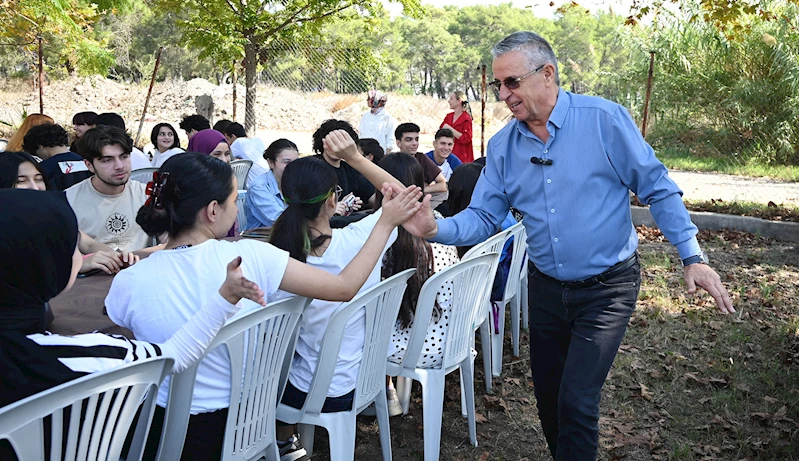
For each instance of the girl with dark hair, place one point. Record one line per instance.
(45, 245)
(310, 187)
(165, 143)
(19, 170)
(193, 200)
(81, 123)
(427, 258)
(264, 201)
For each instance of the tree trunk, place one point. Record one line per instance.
(250, 74)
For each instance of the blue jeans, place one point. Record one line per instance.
(575, 334)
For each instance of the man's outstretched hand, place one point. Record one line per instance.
(704, 276)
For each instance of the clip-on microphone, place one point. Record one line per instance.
(541, 161)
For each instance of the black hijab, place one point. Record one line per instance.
(38, 235)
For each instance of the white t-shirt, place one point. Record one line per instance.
(378, 126)
(110, 219)
(160, 157)
(251, 149)
(344, 245)
(155, 297)
(139, 160)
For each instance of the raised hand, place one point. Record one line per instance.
(236, 286)
(400, 206)
(340, 144)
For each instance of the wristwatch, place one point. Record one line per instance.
(700, 258)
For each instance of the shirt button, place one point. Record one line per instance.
(560, 265)
(556, 239)
(549, 181)
(552, 210)
(546, 151)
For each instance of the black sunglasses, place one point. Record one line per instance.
(513, 83)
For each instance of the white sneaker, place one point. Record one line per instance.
(291, 450)
(394, 407)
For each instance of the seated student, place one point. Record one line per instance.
(193, 124)
(106, 204)
(442, 152)
(137, 158)
(407, 135)
(210, 142)
(351, 181)
(410, 252)
(264, 201)
(220, 125)
(41, 260)
(61, 168)
(194, 201)
(165, 143)
(242, 147)
(19, 170)
(32, 120)
(309, 187)
(81, 123)
(371, 149)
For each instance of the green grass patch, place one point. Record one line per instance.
(681, 158)
(773, 212)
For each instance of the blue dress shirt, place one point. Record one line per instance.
(576, 210)
(264, 202)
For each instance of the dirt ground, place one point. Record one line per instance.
(688, 383)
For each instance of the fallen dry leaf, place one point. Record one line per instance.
(645, 392)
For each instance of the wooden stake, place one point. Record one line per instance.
(648, 92)
(149, 92)
(483, 88)
(41, 78)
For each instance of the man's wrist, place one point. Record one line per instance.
(700, 258)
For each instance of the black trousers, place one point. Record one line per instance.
(575, 334)
(204, 436)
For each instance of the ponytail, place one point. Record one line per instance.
(306, 185)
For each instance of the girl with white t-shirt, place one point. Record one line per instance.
(165, 143)
(193, 200)
(303, 230)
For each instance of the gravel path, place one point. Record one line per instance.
(706, 186)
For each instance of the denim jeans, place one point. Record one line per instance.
(575, 334)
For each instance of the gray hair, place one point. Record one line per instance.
(537, 50)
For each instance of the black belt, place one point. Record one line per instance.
(608, 274)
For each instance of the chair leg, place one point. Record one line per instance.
(381, 408)
(485, 341)
(514, 323)
(432, 409)
(306, 433)
(342, 438)
(524, 301)
(272, 453)
(403, 388)
(468, 385)
(497, 340)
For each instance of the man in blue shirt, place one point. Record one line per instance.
(567, 163)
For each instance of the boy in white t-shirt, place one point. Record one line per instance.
(107, 203)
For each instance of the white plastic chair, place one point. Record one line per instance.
(241, 217)
(144, 175)
(258, 343)
(468, 278)
(241, 168)
(381, 304)
(511, 297)
(94, 413)
(525, 306)
(493, 244)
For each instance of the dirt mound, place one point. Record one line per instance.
(277, 109)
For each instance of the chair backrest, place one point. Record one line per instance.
(381, 303)
(519, 248)
(257, 342)
(144, 175)
(241, 217)
(241, 168)
(469, 284)
(89, 417)
(493, 244)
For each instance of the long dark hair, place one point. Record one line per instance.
(194, 181)
(9, 167)
(307, 184)
(461, 187)
(277, 147)
(407, 252)
(154, 135)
